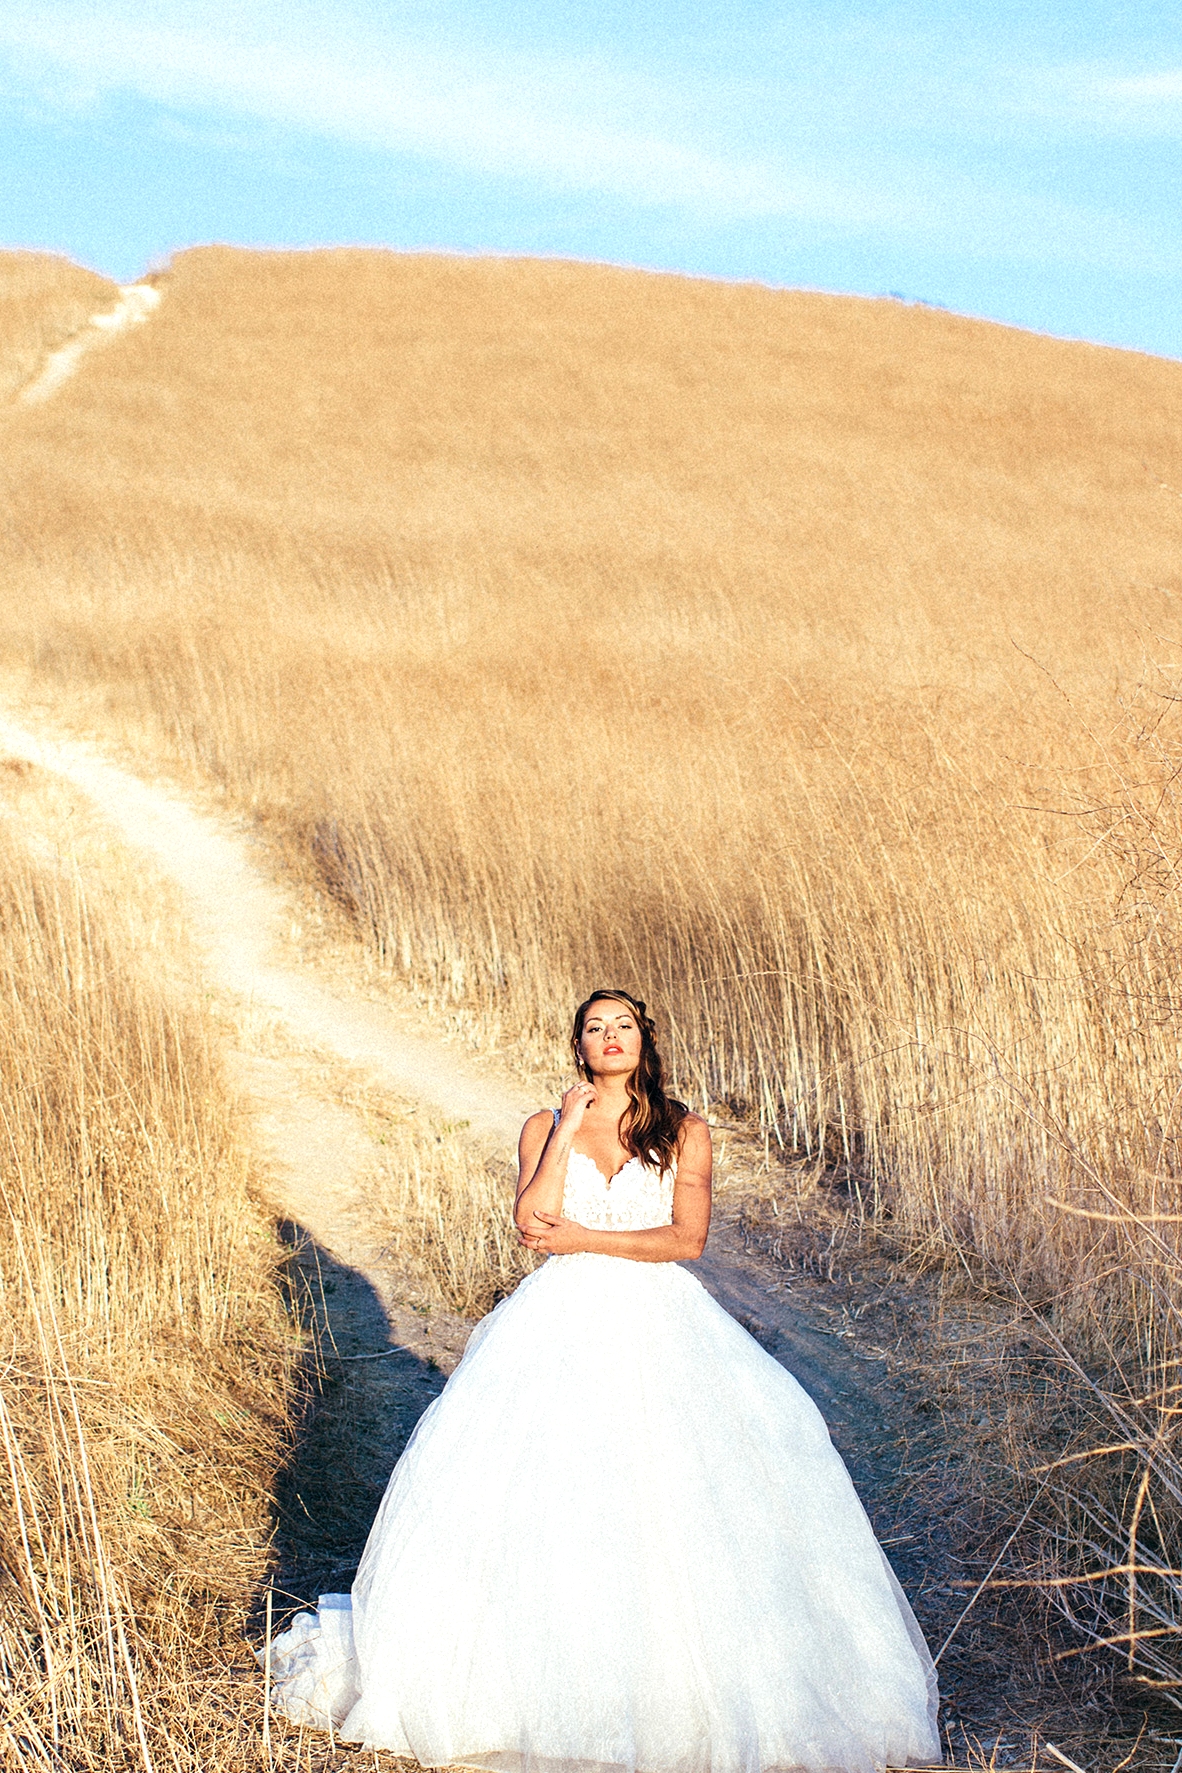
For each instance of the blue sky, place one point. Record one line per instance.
(1017, 161)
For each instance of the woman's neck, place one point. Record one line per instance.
(611, 1095)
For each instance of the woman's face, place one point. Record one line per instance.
(610, 1043)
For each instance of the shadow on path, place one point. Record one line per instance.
(366, 1390)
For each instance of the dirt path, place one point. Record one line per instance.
(243, 922)
(137, 301)
(386, 1355)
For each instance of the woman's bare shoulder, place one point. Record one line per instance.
(690, 1119)
(694, 1132)
(537, 1127)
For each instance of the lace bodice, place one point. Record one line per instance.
(635, 1199)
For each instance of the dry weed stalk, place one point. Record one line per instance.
(1109, 1557)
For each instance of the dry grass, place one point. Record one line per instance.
(43, 301)
(810, 662)
(444, 1205)
(147, 1360)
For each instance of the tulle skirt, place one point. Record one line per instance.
(620, 1541)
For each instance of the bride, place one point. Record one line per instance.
(620, 1541)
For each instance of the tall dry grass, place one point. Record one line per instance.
(146, 1361)
(808, 663)
(443, 1205)
(44, 300)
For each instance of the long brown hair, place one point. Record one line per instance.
(650, 1126)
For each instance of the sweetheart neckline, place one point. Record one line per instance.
(606, 1180)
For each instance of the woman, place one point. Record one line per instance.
(620, 1541)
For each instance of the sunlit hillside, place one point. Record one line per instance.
(805, 663)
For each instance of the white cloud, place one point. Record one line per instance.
(1143, 88)
(1104, 101)
(517, 116)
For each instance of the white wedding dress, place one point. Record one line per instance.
(620, 1541)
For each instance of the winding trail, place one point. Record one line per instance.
(137, 302)
(318, 1154)
(243, 923)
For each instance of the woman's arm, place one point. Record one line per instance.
(682, 1241)
(542, 1154)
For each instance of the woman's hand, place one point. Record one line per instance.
(551, 1235)
(575, 1105)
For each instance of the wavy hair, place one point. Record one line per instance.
(650, 1127)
